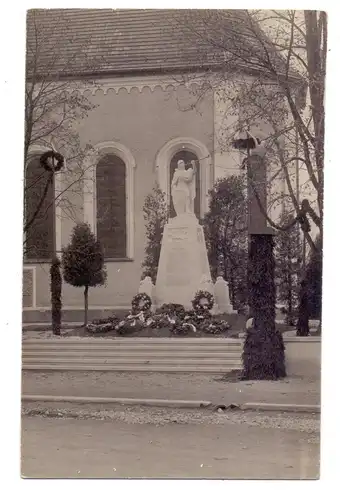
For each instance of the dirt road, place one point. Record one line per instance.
(170, 386)
(76, 448)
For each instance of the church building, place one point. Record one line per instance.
(141, 122)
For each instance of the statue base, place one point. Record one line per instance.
(183, 262)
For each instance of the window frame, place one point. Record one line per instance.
(89, 191)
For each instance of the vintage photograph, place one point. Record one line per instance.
(172, 243)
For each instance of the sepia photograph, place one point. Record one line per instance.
(173, 209)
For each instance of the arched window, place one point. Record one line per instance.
(187, 157)
(111, 205)
(38, 238)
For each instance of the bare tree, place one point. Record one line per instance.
(54, 107)
(267, 69)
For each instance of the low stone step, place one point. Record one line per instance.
(100, 352)
(137, 346)
(133, 340)
(132, 361)
(199, 355)
(132, 353)
(132, 368)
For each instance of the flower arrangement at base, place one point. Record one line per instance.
(216, 327)
(159, 321)
(198, 317)
(125, 327)
(172, 317)
(132, 323)
(172, 310)
(182, 328)
(103, 325)
(141, 303)
(203, 301)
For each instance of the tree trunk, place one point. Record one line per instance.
(56, 284)
(232, 287)
(263, 353)
(302, 329)
(86, 304)
(290, 321)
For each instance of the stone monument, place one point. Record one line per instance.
(146, 286)
(183, 262)
(222, 298)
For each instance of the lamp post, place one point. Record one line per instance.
(263, 354)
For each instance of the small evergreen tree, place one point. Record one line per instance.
(56, 284)
(288, 257)
(155, 212)
(83, 262)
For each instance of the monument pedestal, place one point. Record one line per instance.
(183, 261)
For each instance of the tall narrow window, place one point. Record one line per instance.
(38, 238)
(187, 157)
(111, 205)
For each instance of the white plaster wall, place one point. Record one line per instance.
(226, 160)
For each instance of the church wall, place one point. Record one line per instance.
(142, 121)
(226, 160)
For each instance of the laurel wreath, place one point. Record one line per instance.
(203, 301)
(52, 155)
(141, 303)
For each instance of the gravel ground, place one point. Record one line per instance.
(135, 442)
(170, 386)
(48, 334)
(163, 416)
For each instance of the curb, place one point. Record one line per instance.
(295, 408)
(172, 403)
(46, 327)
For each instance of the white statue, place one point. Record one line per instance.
(183, 188)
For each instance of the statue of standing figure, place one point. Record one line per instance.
(183, 188)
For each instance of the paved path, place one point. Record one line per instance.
(55, 448)
(169, 386)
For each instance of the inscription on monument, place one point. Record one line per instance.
(183, 262)
(177, 269)
(177, 233)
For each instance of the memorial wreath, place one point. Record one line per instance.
(52, 155)
(141, 303)
(203, 301)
